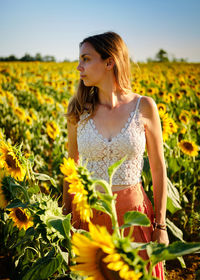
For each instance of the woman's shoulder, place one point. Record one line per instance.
(147, 105)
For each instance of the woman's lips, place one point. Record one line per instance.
(83, 76)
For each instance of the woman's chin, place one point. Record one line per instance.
(87, 83)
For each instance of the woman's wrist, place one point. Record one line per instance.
(161, 226)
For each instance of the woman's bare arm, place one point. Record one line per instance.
(72, 153)
(154, 143)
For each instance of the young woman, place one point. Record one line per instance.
(107, 121)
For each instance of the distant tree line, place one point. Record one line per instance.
(162, 56)
(28, 57)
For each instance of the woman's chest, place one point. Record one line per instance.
(130, 141)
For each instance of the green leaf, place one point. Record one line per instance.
(182, 262)
(43, 268)
(113, 168)
(44, 177)
(16, 203)
(173, 198)
(134, 218)
(106, 197)
(103, 206)
(160, 252)
(173, 165)
(175, 230)
(67, 225)
(34, 189)
(146, 167)
(65, 255)
(58, 225)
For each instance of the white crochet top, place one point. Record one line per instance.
(100, 153)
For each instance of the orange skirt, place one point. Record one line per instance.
(132, 198)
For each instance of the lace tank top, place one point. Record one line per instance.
(100, 153)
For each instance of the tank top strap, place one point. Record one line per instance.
(137, 105)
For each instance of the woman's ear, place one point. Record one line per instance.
(110, 63)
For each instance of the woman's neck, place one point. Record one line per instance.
(112, 98)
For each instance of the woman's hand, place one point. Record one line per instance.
(160, 236)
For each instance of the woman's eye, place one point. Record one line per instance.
(85, 58)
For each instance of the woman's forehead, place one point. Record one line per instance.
(87, 48)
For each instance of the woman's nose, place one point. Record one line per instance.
(79, 67)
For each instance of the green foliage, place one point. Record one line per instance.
(134, 218)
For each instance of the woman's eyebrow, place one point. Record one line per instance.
(84, 54)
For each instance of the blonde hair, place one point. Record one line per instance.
(108, 44)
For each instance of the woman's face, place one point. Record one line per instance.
(91, 66)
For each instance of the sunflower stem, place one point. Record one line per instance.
(114, 213)
(108, 189)
(41, 248)
(24, 192)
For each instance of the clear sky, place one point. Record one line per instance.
(55, 27)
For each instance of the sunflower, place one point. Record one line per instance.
(184, 118)
(161, 108)
(166, 98)
(188, 147)
(178, 95)
(20, 218)
(28, 120)
(173, 125)
(198, 94)
(81, 201)
(54, 113)
(28, 134)
(194, 111)
(161, 93)
(32, 114)
(1, 135)
(166, 129)
(64, 102)
(10, 161)
(142, 91)
(171, 97)
(52, 130)
(20, 113)
(68, 167)
(151, 91)
(196, 119)
(98, 257)
(186, 112)
(48, 99)
(183, 130)
(58, 107)
(76, 187)
(3, 200)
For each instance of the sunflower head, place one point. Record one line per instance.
(21, 218)
(166, 128)
(178, 95)
(7, 193)
(99, 258)
(188, 147)
(68, 167)
(3, 197)
(28, 120)
(52, 130)
(184, 117)
(161, 108)
(20, 113)
(12, 160)
(80, 183)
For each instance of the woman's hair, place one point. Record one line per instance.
(108, 44)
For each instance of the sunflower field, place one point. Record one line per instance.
(36, 238)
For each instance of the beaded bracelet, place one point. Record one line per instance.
(159, 226)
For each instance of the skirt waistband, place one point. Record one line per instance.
(118, 188)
